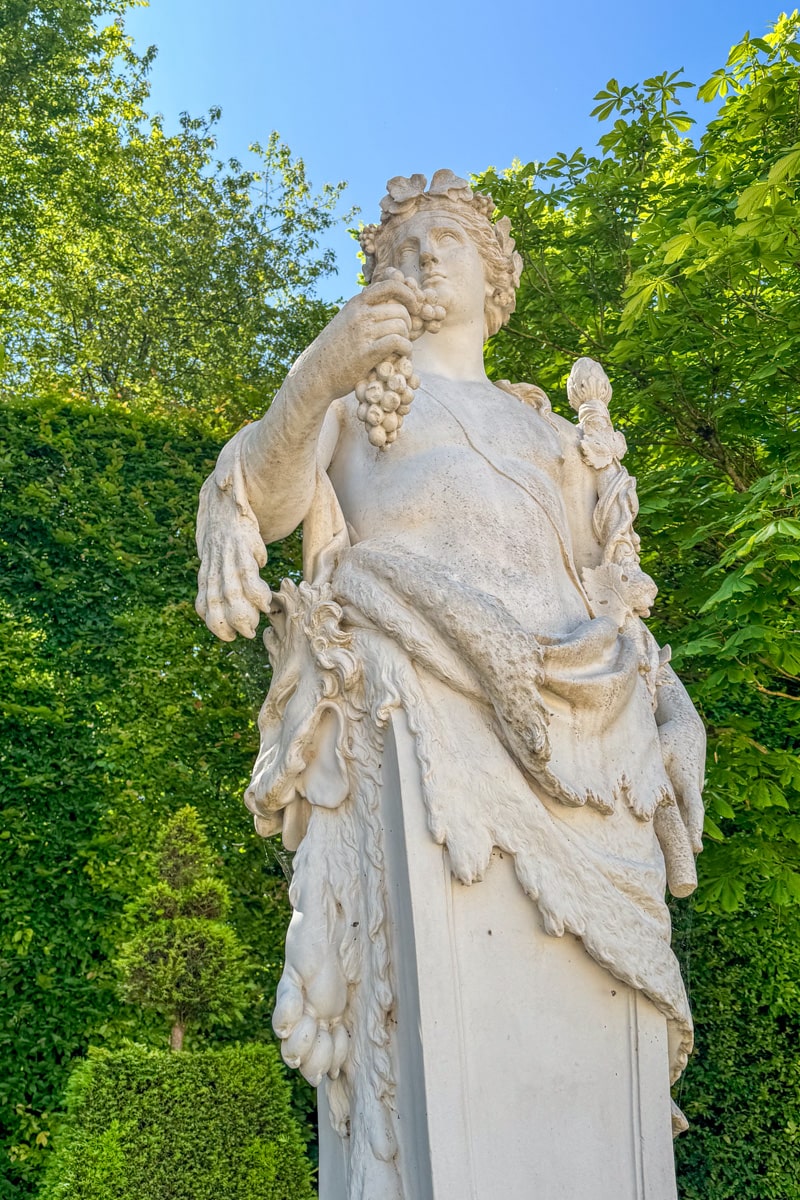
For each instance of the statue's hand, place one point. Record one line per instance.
(683, 746)
(369, 329)
(684, 760)
(231, 595)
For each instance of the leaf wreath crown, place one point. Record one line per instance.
(407, 195)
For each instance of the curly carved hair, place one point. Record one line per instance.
(452, 195)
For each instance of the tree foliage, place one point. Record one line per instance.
(134, 265)
(674, 262)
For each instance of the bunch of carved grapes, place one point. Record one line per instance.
(385, 396)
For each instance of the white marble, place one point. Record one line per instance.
(464, 693)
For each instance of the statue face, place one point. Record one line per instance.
(436, 250)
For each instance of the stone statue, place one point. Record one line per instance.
(463, 690)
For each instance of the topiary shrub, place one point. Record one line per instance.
(184, 962)
(145, 1124)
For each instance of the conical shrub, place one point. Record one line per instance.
(184, 962)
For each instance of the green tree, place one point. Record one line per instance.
(47, 49)
(674, 262)
(184, 961)
(133, 264)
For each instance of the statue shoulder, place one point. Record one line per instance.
(531, 394)
(589, 392)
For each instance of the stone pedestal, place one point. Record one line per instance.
(525, 1070)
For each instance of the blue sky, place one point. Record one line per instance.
(363, 91)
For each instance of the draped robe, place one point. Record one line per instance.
(543, 747)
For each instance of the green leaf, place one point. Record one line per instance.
(712, 830)
(717, 85)
(733, 585)
(675, 248)
(786, 167)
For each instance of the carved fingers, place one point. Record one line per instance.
(392, 300)
(387, 330)
(319, 1059)
(692, 809)
(683, 749)
(231, 595)
(390, 345)
(341, 1048)
(389, 326)
(298, 1045)
(393, 289)
(373, 326)
(289, 1004)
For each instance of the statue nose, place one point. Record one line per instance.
(427, 257)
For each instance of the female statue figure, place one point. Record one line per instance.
(464, 693)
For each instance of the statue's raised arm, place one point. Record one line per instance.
(264, 481)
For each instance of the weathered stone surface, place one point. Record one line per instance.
(464, 692)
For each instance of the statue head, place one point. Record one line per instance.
(473, 211)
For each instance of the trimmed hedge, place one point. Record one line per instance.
(116, 706)
(146, 1124)
(741, 1088)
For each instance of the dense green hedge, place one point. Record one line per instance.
(150, 1125)
(116, 708)
(741, 1089)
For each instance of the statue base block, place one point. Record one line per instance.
(525, 1070)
